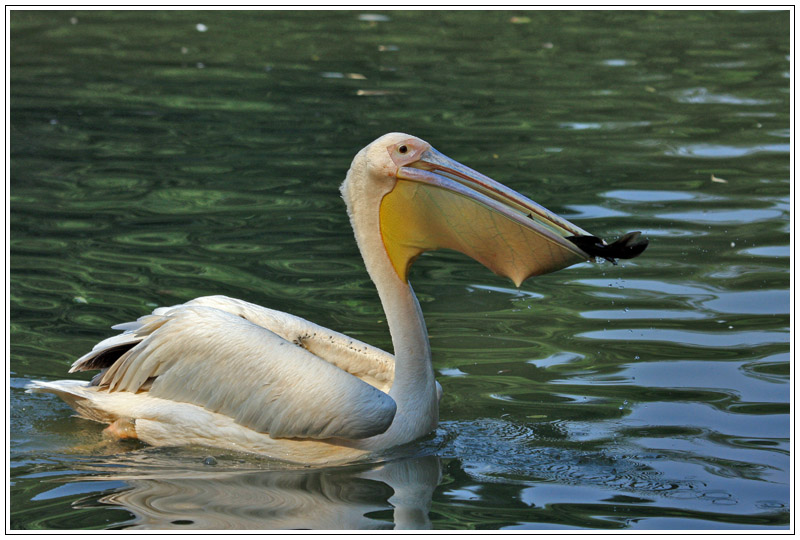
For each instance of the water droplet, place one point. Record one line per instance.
(210, 460)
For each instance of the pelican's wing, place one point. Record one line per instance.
(227, 364)
(366, 362)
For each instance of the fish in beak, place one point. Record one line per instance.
(438, 203)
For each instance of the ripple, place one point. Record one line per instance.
(745, 215)
(774, 368)
(610, 126)
(635, 195)
(78, 488)
(451, 372)
(37, 303)
(114, 184)
(240, 248)
(695, 339)
(176, 201)
(684, 374)
(703, 96)
(374, 17)
(643, 314)
(38, 245)
(686, 288)
(664, 232)
(709, 418)
(161, 238)
(768, 251)
(720, 151)
(768, 302)
(593, 212)
(618, 62)
(314, 267)
(557, 469)
(50, 284)
(505, 290)
(556, 359)
(78, 225)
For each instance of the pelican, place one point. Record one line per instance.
(226, 373)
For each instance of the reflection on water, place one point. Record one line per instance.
(153, 162)
(213, 496)
(589, 485)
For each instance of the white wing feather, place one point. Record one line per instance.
(356, 357)
(230, 365)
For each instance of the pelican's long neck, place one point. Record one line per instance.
(414, 386)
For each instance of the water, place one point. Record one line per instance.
(160, 156)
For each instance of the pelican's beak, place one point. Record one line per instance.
(439, 203)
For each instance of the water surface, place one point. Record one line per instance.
(160, 156)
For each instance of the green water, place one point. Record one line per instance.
(154, 160)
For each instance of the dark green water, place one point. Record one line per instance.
(153, 161)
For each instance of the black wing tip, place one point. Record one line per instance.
(628, 246)
(105, 358)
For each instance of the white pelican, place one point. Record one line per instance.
(222, 372)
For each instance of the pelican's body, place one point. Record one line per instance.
(223, 372)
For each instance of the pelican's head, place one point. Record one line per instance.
(421, 200)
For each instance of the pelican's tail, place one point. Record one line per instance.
(86, 397)
(74, 389)
(79, 395)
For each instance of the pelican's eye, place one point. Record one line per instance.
(405, 152)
